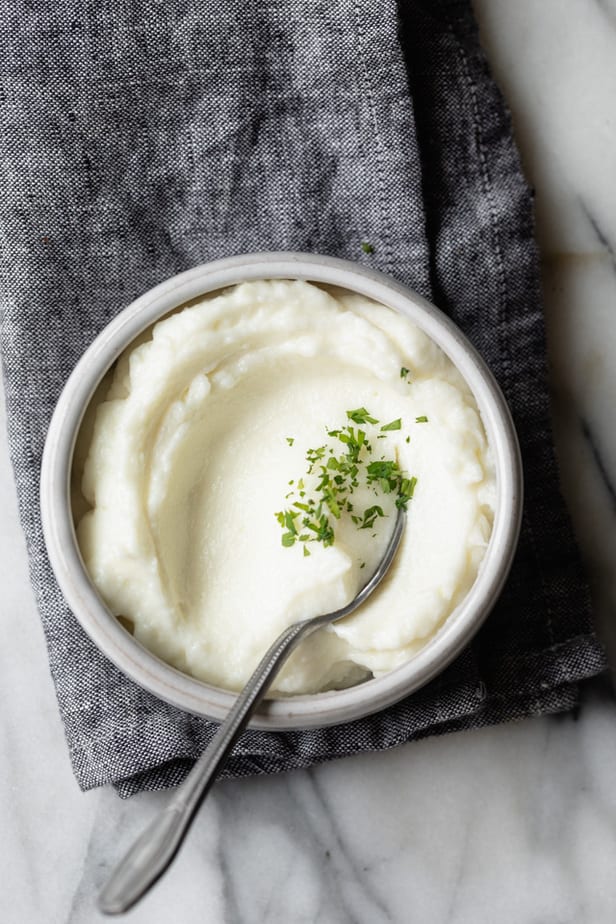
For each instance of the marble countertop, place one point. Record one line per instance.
(509, 824)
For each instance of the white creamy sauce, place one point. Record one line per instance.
(189, 461)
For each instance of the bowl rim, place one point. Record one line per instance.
(182, 690)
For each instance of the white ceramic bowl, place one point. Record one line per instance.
(194, 695)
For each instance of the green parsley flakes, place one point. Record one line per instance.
(361, 416)
(338, 469)
(366, 247)
(392, 425)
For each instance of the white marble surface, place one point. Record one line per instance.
(556, 62)
(511, 824)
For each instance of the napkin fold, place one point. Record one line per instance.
(142, 138)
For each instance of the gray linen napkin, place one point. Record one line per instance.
(141, 138)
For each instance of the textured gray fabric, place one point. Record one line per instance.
(139, 139)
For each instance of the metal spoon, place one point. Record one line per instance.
(152, 853)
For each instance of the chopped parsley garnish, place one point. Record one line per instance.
(361, 416)
(290, 440)
(393, 425)
(422, 419)
(404, 372)
(337, 469)
(366, 247)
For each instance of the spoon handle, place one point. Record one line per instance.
(152, 853)
(154, 850)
